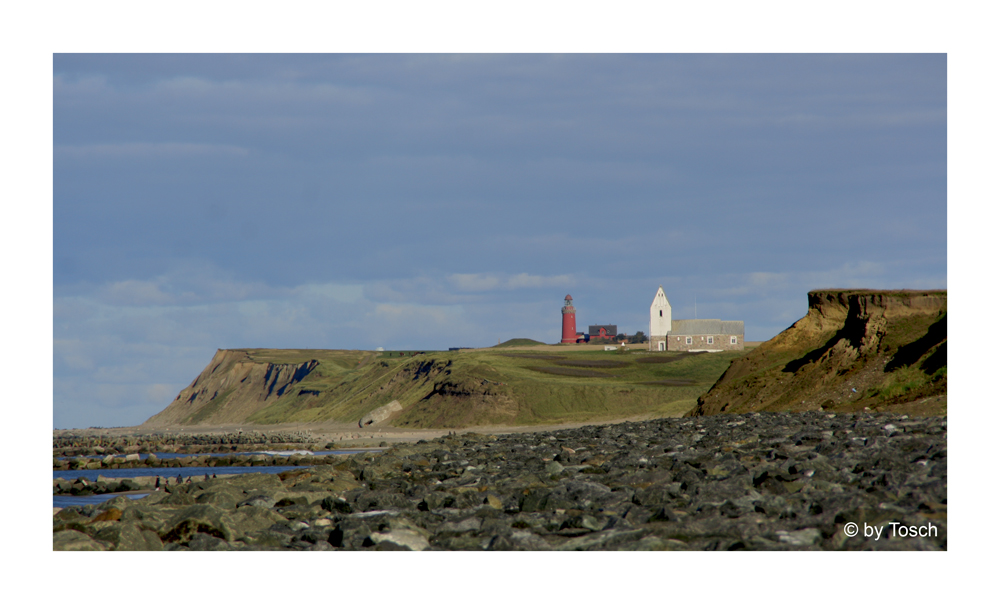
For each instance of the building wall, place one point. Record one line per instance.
(700, 342)
(659, 315)
(655, 341)
(610, 331)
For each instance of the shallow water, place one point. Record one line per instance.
(160, 455)
(172, 473)
(65, 501)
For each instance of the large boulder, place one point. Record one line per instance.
(75, 541)
(224, 499)
(380, 415)
(255, 482)
(193, 519)
(129, 536)
(404, 539)
(249, 519)
(150, 517)
(324, 478)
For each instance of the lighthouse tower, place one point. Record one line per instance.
(569, 322)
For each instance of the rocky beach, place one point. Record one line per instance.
(758, 481)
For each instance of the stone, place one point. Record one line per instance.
(193, 519)
(75, 541)
(253, 518)
(379, 415)
(250, 482)
(128, 536)
(260, 501)
(405, 538)
(436, 500)
(469, 524)
(800, 538)
(203, 542)
(336, 504)
(749, 482)
(223, 499)
(553, 467)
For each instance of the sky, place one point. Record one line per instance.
(427, 201)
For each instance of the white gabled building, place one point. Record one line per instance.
(692, 335)
(659, 321)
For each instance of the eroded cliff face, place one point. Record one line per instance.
(230, 389)
(251, 387)
(855, 349)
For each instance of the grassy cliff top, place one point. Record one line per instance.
(519, 342)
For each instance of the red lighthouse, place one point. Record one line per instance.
(569, 322)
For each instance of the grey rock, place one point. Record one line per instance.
(404, 538)
(801, 538)
(755, 481)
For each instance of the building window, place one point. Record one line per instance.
(732, 339)
(688, 340)
(661, 313)
(711, 340)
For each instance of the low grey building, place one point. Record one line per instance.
(713, 335)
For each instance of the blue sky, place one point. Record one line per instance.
(428, 201)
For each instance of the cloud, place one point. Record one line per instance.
(136, 293)
(484, 282)
(190, 283)
(474, 282)
(147, 150)
(524, 280)
(330, 291)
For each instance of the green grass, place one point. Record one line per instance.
(519, 342)
(899, 383)
(211, 407)
(490, 386)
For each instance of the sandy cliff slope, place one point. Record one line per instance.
(855, 349)
(230, 389)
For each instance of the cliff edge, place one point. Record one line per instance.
(231, 388)
(855, 350)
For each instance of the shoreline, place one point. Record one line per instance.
(759, 481)
(332, 432)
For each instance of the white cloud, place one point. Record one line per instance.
(474, 282)
(137, 293)
(525, 280)
(331, 291)
(483, 282)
